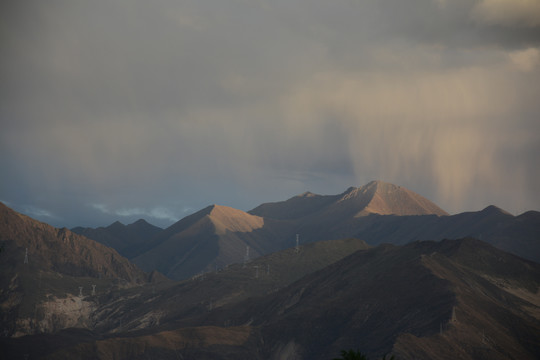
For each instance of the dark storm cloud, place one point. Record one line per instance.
(126, 109)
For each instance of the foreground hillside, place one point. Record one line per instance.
(159, 309)
(425, 300)
(43, 270)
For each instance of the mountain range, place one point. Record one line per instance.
(363, 275)
(377, 212)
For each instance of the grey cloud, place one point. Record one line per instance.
(175, 105)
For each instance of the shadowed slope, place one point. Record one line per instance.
(213, 237)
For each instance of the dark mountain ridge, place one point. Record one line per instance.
(129, 240)
(516, 234)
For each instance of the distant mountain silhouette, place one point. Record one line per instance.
(129, 240)
(519, 235)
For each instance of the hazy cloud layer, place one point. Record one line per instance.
(125, 109)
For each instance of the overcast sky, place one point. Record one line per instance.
(126, 109)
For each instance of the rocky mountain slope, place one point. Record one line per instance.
(44, 270)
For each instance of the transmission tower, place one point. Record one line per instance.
(454, 319)
(26, 256)
(80, 291)
(246, 258)
(93, 290)
(297, 248)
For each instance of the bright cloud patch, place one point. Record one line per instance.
(160, 213)
(156, 213)
(526, 60)
(518, 13)
(38, 213)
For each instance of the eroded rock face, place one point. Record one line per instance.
(56, 314)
